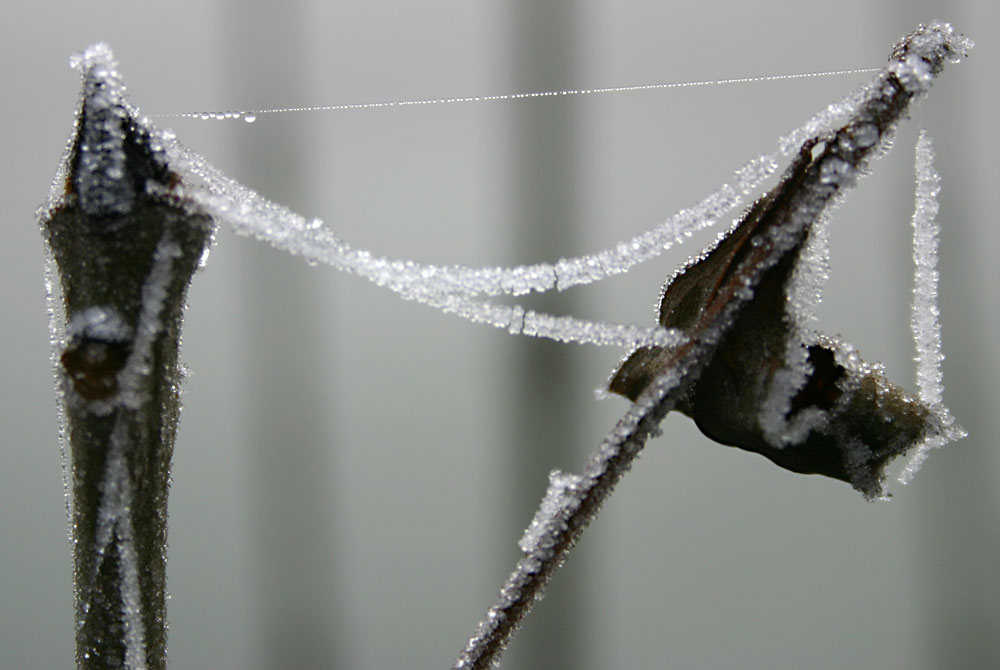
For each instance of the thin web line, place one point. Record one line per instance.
(251, 115)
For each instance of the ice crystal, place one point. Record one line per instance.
(925, 320)
(561, 498)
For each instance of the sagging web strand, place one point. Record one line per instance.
(456, 289)
(925, 318)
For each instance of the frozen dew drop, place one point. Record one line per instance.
(836, 171)
(865, 134)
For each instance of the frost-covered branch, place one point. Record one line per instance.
(747, 277)
(571, 502)
(124, 257)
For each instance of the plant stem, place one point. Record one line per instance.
(126, 250)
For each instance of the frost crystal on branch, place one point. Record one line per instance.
(925, 321)
(561, 498)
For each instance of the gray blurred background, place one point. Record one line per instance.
(353, 472)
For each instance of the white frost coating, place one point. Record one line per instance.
(452, 288)
(836, 171)
(834, 115)
(561, 499)
(550, 534)
(441, 287)
(154, 293)
(99, 322)
(57, 342)
(135, 630)
(518, 321)
(912, 72)
(448, 287)
(97, 54)
(101, 160)
(105, 322)
(252, 215)
(114, 521)
(925, 319)
(615, 453)
(804, 294)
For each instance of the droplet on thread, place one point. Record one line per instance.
(249, 117)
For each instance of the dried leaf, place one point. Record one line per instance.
(835, 416)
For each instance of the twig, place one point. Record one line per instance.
(824, 168)
(125, 249)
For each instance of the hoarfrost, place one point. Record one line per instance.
(571, 500)
(775, 386)
(154, 293)
(518, 321)
(909, 63)
(57, 341)
(451, 288)
(250, 214)
(925, 320)
(114, 527)
(561, 498)
(101, 189)
(803, 294)
(833, 115)
(99, 322)
(124, 247)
